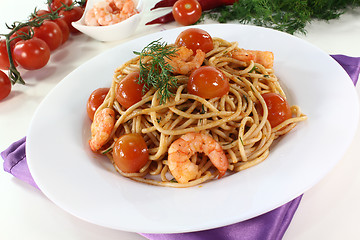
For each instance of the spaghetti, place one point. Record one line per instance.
(237, 120)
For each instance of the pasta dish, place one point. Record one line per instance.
(199, 114)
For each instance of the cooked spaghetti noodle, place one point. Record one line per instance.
(232, 120)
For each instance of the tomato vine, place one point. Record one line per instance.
(25, 30)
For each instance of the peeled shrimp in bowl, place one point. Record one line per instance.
(112, 32)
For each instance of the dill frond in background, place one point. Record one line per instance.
(289, 16)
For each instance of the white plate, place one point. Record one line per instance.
(87, 186)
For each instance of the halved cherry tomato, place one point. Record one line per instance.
(51, 33)
(208, 82)
(95, 100)
(72, 15)
(128, 91)
(130, 153)
(5, 85)
(278, 108)
(31, 54)
(187, 12)
(195, 38)
(4, 57)
(56, 4)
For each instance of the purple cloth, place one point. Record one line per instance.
(269, 226)
(15, 161)
(350, 64)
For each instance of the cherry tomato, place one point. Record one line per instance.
(42, 12)
(51, 33)
(5, 85)
(187, 12)
(72, 15)
(64, 28)
(31, 54)
(4, 57)
(128, 91)
(195, 38)
(95, 100)
(60, 22)
(208, 82)
(21, 32)
(130, 153)
(278, 108)
(56, 4)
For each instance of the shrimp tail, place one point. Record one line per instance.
(101, 128)
(265, 58)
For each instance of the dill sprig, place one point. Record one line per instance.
(157, 72)
(285, 15)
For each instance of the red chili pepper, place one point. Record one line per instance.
(164, 3)
(163, 19)
(205, 5)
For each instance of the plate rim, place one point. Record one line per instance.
(173, 230)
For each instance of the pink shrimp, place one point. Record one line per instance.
(184, 62)
(110, 12)
(90, 18)
(182, 149)
(127, 8)
(264, 58)
(101, 128)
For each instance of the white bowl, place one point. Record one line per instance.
(113, 32)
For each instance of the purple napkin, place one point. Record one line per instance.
(269, 226)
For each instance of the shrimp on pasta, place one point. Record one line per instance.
(265, 58)
(182, 149)
(192, 137)
(184, 61)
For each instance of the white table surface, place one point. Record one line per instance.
(329, 210)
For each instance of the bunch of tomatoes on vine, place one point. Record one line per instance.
(29, 44)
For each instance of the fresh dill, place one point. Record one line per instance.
(107, 150)
(241, 141)
(173, 180)
(285, 15)
(157, 72)
(246, 100)
(255, 69)
(202, 109)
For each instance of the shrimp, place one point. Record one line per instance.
(182, 149)
(106, 14)
(264, 58)
(127, 8)
(101, 128)
(90, 18)
(185, 62)
(112, 11)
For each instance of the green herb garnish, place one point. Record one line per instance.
(157, 72)
(173, 180)
(241, 141)
(245, 98)
(284, 15)
(107, 150)
(203, 111)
